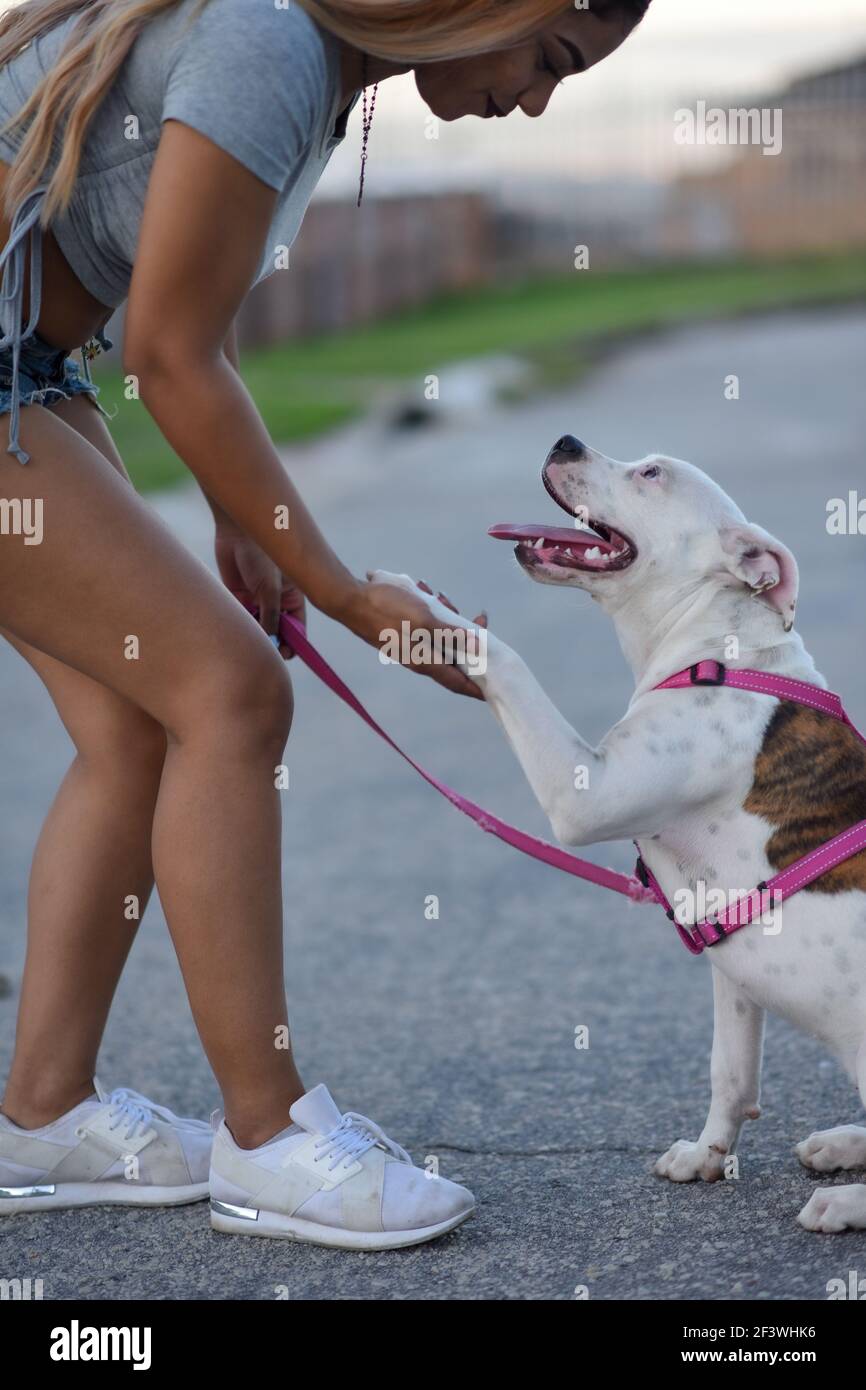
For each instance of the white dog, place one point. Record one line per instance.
(721, 787)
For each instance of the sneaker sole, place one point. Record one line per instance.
(248, 1221)
(48, 1197)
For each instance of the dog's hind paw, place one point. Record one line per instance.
(836, 1209)
(831, 1149)
(686, 1161)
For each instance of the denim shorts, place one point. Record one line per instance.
(45, 374)
(31, 370)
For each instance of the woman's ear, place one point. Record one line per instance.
(756, 558)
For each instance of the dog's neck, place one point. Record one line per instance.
(709, 622)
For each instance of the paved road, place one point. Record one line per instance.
(457, 1035)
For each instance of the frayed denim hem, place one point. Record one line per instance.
(46, 395)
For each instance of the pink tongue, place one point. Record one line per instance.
(556, 535)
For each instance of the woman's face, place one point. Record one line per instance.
(493, 84)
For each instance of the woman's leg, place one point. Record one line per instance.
(92, 854)
(110, 593)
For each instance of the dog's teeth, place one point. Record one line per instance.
(593, 553)
(539, 544)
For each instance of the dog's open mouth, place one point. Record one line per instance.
(598, 548)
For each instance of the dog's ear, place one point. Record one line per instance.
(756, 558)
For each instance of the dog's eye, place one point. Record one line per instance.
(651, 471)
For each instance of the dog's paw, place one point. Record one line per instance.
(836, 1209)
(399, 581)
(692, 1162)
(831, 1149)
(447, 617)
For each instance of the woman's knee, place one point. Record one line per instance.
(247, 701)
(122, 739)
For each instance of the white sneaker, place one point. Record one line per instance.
(330, 1179)
(117, 1148)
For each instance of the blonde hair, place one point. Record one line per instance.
(406, 31)
(422, 31)
(72, 89)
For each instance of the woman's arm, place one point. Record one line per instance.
(244, 567)
(230, 351)
(201, 241)
(230, 347)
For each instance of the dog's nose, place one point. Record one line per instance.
(568, 445)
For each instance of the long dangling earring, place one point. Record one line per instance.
(366, 122)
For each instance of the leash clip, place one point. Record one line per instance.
(717, 679)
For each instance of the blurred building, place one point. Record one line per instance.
(351, 265)
(354, 265)
(810, 197)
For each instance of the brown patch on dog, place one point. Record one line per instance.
(810, 783)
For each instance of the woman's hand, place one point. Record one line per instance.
(255, 580)
(380, 607)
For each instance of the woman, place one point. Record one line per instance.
(194, 132)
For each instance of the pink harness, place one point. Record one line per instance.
(774, 890)
(640, 886)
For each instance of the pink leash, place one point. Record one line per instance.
(293, 635)
(642, 886)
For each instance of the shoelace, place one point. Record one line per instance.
(138, 1112)
(352, 1137)
(123, 1109)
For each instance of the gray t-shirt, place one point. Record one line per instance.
(261, 81)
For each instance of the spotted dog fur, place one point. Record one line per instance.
(810, 784)
(721, 788)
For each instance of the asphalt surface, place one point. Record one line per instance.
(457, 1035)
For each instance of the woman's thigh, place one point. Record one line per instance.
(99, 722)
(81, 414)
(109, 592)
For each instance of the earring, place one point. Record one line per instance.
(366, 122)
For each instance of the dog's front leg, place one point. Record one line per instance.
(553, 756)
(626, 787)
(735, 1075)
(622, 789)
(547, 747)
